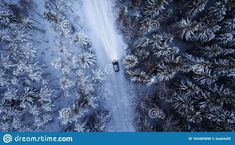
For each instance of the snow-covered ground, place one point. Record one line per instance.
(99, 16)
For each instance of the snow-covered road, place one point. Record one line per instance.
(109, 46)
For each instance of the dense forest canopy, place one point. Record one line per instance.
(185, 51)
(180, 59)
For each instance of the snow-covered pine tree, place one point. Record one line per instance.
(80, 77)
(26, 96)
(195, 66)
(208, 73)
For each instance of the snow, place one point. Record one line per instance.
(101, 21)
(60, 49)
(109, 46)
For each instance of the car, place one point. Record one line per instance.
(115, 66)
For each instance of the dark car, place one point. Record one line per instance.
(115, 66)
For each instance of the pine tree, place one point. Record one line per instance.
(24, 90)
(191, 54)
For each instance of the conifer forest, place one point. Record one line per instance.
(117, 65)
